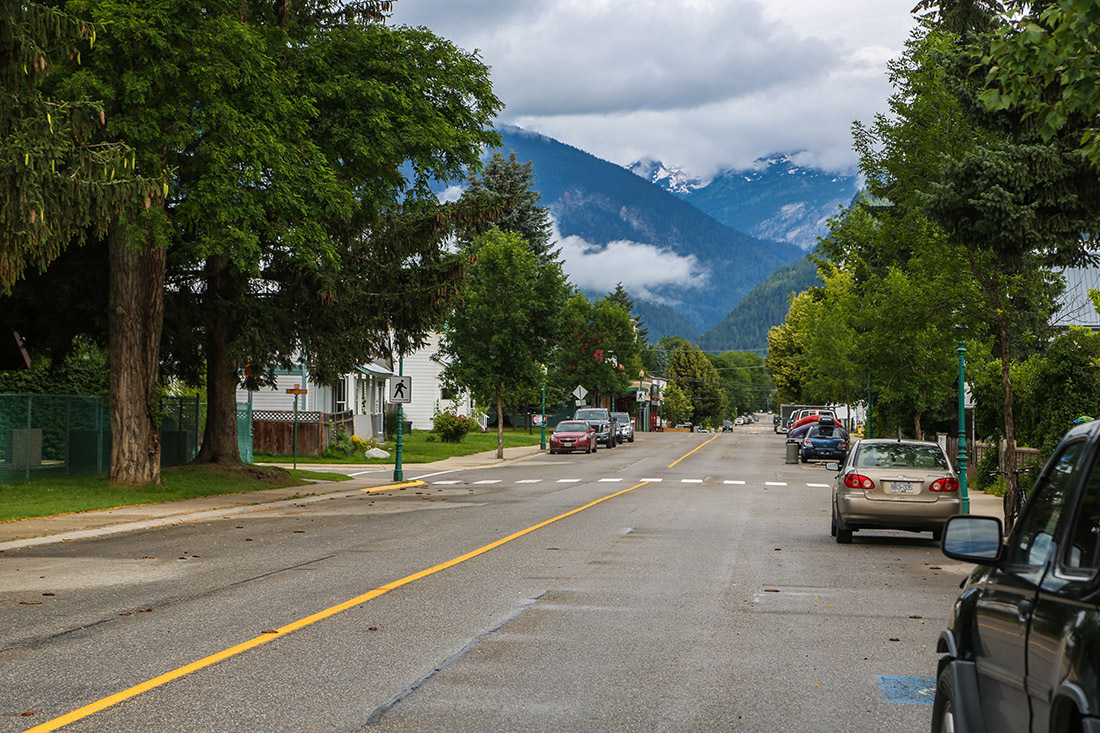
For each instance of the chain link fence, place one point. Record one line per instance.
(69, 435)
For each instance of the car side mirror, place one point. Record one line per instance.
(832, 466)
(973, 539)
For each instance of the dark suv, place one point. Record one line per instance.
(607, 427)
(1023, 649)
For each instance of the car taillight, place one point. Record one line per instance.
(842, 445)
(945, 484)
(808, 442)
(856, 481)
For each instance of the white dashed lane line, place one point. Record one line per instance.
(568, 480)
(488, 481)
(609, 480)
(653, 480)
(775, 483)
(739, 483)
(691, 480)
(819, 486)
(529, 481)
(444, 483)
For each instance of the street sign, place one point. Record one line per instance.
(641, 396)
(297, 389)
(580, 392)
(401, 389)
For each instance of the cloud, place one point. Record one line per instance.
(701, 84)
(641, 268)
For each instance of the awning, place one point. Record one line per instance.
(375, 370)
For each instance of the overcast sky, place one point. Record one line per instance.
(702, 84)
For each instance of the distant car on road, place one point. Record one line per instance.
(824, 439)
(626, 426)
(727, 426)
(893, 484)
(573, 435)
(687, 425)
(739, 421)
(607, 429)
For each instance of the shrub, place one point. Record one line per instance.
(342, 445)
(452, 428)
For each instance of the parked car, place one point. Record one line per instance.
(1022, 652)
(727, 426)
(607, 429)
(626, 426)
(573, 435)
(778, 426)
(687, 425)
(824, 439)
(739, 421)
(893, 484)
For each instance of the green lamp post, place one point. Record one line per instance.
(961, 459)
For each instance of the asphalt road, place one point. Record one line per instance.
(702, 591)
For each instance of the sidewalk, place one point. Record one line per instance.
(70, 527)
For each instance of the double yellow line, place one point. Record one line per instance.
(106, 702)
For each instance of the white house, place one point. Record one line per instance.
(428, 395)
(365, 392)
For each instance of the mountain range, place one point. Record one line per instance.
(671, 239)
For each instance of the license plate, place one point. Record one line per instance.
(901, 487)
(567, 442)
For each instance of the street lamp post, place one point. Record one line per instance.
(961, 458)
(542, 443)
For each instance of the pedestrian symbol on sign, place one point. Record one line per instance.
(400, 389)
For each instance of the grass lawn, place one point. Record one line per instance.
(415, 448)
(49, 495)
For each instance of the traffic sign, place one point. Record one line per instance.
(641, 396)
(401, 389)
(297, 389)
(580, 392)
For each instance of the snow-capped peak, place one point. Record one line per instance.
(676, 180)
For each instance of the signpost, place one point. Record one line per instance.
(580, 393)
(296, 391)
(400, 393)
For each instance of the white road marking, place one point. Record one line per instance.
(568, 480)
(691, 480)
(444, 483)
(739, 483)
(819, 486)
(529, 481)
(775, 483)
(609, 480)
(437, 473)
(655, 480)
(488, 481)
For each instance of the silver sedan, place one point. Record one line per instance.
(893, 484)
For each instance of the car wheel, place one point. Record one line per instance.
(937, 534)
(943, 706)
(843, 536)
(631, 440)
(803, 458)
(552, 451)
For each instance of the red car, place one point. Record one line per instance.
(571, 435)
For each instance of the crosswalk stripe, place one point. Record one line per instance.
(568, 480)
(739, 483)
(488, 481)
(445, 483)
(529, 481)
(654, 480)
(775, 483)
(609, 480)
(691, 480)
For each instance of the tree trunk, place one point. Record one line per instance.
(136, 312)
(219, 441)
(916, 425)
(1010, 423)
(500, 426)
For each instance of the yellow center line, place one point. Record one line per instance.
(401, 485)
(690, 452)
(104, 703)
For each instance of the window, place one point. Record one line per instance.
(1084, 537)
(1033, 538)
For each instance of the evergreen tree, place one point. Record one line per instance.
(693, 373)
(508, 185)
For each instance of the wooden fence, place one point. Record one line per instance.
(273, 431)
